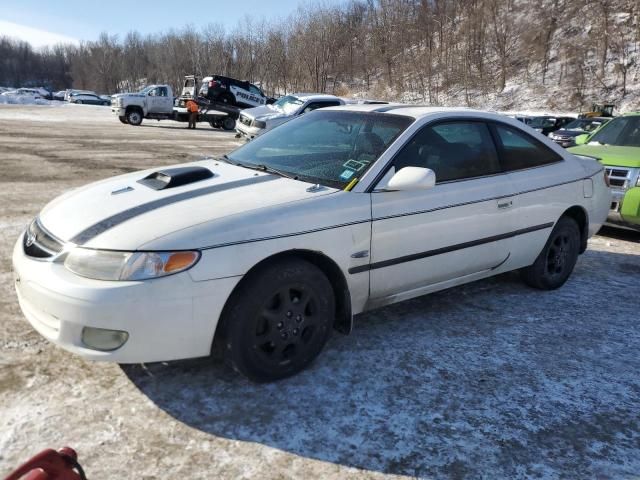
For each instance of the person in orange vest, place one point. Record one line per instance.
(192, 108)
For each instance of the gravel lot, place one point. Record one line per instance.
(491, 380)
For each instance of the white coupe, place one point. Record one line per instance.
(263, 252)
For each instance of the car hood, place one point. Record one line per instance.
(568, 133)
(265, 113)
(610, 154)
(121, 214)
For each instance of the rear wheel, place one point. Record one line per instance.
(123, 120)
(555, 263)
(134, 117)
(278, 320)
(228, 123)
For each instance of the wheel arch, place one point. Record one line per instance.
(343, 319)
(580, 215)
(131, 108)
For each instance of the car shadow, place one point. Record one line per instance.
(488, 378)
(183, 125)
(620, 234)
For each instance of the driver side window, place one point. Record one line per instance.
(453, 150)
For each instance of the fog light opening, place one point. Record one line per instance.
(103, 339)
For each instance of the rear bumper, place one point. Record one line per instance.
(166, 319)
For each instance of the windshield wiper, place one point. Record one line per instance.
(268, 169)
(262, 167)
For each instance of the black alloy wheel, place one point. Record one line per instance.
(278, 320)
(555, 263)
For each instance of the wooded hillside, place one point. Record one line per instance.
(555, 53)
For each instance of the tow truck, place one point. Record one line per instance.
(157, 102)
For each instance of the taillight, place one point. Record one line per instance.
(210, 84)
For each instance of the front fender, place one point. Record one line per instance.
(630, 208)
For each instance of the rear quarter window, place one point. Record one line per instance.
(519, 150)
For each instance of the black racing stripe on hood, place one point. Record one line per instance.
(98, 228)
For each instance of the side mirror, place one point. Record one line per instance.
(412, 178)
(582, 139)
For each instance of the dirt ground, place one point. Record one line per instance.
(489, 380)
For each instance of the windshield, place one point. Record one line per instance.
(288, 104)
(332, 148)
(586, 125)
(622, 131)
(542, 122)
(144, 91)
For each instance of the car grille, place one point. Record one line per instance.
(245, 120)
(618, 177)
(39, 243)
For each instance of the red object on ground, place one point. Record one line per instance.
(50, 465)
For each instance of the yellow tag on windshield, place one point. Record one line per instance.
(350, 185)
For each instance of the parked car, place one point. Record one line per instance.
(217, 88)
(526, 119)
(617, 146)
(59, 95)
(70, 91)
(546, 124)
(255, 121)
(31, 93)
(22, 94)
(266, 250)
(88, 99)
(566, 136)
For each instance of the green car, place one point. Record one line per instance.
(617, 146)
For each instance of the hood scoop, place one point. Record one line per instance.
(175, 177)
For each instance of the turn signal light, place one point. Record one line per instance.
(179, 261)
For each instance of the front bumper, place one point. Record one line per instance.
(118, 111)
(566, 143)
(247, 131)
(625, 209)
(167, 318)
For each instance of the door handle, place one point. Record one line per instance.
(503, 205)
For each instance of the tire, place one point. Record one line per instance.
(79, 102)
(134, 117)
(228, 123)
(555, 263)
(278, 320)
(123, 120)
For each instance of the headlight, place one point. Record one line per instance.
(113, 265)
(259, 124)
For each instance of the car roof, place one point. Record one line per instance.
(415, 111)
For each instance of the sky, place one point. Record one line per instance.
(45, 22)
